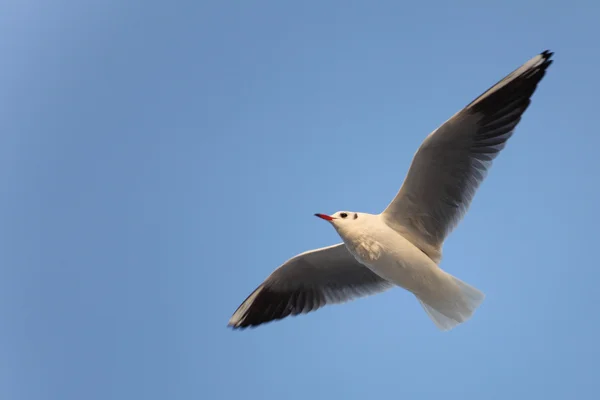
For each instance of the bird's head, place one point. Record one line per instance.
(342, 220)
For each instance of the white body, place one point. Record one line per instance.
(391, 256)
(388, 254)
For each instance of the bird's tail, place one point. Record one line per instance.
(452, 305)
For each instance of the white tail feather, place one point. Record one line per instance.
(449, 311)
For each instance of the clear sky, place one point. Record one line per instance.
(159, 159)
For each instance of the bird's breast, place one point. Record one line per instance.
(366, 250)
(392, 257)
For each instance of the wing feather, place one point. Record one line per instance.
(306, 283)
(452, 161)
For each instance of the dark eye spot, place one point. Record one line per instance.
(355, 215)
(343, 215)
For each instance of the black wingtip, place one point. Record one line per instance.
(547, 55)
(523, 79)
(265, 305)
(234, 327)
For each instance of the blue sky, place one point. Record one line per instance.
(158, 160)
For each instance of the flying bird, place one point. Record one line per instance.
(402, 246)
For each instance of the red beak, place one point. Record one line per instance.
(325, 217)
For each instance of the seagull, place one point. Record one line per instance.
(402, 246)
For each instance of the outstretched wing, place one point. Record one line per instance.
(454, 159)
(306, 283)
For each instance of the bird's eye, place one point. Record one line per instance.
(343, 215)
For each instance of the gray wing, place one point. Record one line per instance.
(453, 160)
(306, 283)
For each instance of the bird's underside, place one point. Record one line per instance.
(441, 182)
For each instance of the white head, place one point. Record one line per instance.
(343, 220)
(341, 215)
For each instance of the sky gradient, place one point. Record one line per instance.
(158, 160)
